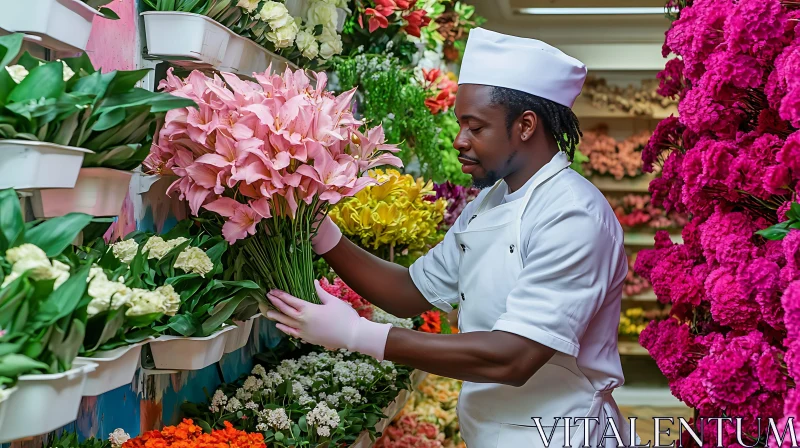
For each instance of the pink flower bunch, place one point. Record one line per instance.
(339, 289)
(731, 162)
(608, 156)
(410, 432)
(254, 150)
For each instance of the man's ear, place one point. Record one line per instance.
(527, 122)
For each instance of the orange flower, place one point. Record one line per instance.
(433, 322)
(188, 435)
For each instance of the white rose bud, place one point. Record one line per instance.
(275, 14)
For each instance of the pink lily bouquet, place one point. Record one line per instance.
(263, 161)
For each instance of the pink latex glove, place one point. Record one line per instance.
(334, 324)
(327, 237)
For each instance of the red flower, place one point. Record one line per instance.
(416, 20)
(378, 16)
(433, 322)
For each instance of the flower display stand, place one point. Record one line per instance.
(196, 41)
(33, 165)
(43, 403)
(179, 353)
(115, 368)
(238, 337)
(62, 25)
(97, 192)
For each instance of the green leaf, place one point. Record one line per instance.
(80, 64)
(279, 436)
(14, 365)
(183, 324)
(29, 62)
(102, 327)
(219, 317)
(773, 233)
(109, 120)
(45, 81)
(159, 101)
(125, 81)
(794, 212)
(12, 223)
(143, 320)
(66, 130)
(7, 84)
(54, 235)
(10, 45)
(108, 13)
(62, 301)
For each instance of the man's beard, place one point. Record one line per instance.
(487, 181)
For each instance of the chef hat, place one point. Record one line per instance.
(528, 65)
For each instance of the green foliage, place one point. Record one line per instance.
(69, 439)
(780, 230)
(388, 95)
(577, 162)
(103, 112)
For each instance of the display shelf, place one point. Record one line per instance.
(608, 184)
(584, 108)
(647, 239)
(652, 396)
(195, 41)
(631, 348)
(648, 296)
(61, 25)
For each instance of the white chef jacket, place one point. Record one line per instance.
(568, 294)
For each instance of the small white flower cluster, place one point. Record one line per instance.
(118, 438)
(29, 257)
(382, 317)
(273, 418)
(323, 418)
(218, 401)
(19, 73)
(192, 260)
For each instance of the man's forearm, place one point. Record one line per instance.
(479, 357)
(385, 284)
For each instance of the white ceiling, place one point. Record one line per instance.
(629, 43)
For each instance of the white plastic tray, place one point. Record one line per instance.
(179, 353)
(4, 404)
(97, 192)
(194, 40)
(33, 165)
(63, 25)
(238, 338)
(115, 368)
(43, 403)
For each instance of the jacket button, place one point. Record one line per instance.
(462, 296)
(511, 248)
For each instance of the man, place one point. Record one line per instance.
(535, 264)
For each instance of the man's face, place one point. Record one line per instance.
(483, 143)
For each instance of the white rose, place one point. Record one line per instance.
(330, 44)
(17, 72)
(248, 5)
(312, 51)
(9, 278)
(304, 40)
(29, 254)
(194, 260)
(172, 300)
(106, 294)
(125, 250)
(322, 13)
(275, 14)
(60, 272)
(284, 37)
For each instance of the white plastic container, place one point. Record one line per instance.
(179, 353)
(97, 192)
(33, 165)
(63, 25)
(182, 35)
(115, 368)
(194, 40)
(4, 399)
(43, 403)
(238, 338)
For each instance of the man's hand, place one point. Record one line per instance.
(333, 324)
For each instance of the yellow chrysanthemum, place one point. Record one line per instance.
(398, 212)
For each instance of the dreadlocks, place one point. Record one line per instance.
(558, 120)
